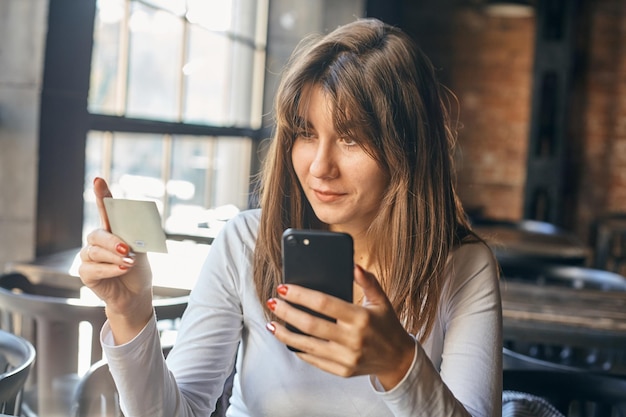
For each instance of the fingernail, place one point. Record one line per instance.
(271, 304)
(270, 327)
(282, 289)
(123, 267)
(122, 249)
(129, 260)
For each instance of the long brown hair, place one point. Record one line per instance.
(381, 82)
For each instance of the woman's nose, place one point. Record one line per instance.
(324, 163)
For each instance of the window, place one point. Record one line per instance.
(175, 103)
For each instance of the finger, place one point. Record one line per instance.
(105, 247)
(109, 241)
(330, 364)
(372, 290)
(324, 354)
(98, 254)
(314, 300)
(288, 337)
(101, 190)
(305, 321)
(91, 272)
(304, 342)
(350, 319)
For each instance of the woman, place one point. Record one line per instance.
(362, 146)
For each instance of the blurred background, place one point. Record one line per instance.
(170, 100)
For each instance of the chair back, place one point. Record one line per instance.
(512, 360)
(563, 275)
(50, 318)
(532, 241)
(572, 391)
(16, 358)
(96, 394)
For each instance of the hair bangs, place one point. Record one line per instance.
(344, 83)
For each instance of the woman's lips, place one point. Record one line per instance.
(327, 196)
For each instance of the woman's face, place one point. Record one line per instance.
(342, 182)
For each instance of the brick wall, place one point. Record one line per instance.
(603, 140)
(487, 61)
(491, 74)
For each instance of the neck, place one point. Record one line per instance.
(363, 258)
(361, 245)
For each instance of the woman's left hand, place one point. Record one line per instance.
(367, 339)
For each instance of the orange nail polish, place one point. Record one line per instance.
(123, 267)
(282, 289)
(271, 304)
(122, 249)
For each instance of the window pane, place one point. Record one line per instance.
(231, 166)
(187, 189)
(210, 181)
(154, 68)
(215, 15)
(139, 67)
(242, 88)
(175, 6)
(237, 17)
(94, 163)
(137, 167)
(244, 23)
(104, 87)
(207, 79)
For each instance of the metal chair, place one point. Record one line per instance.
(96, 394)
(50, 321)
(17, 356)
(572, 391)
(532, 241)
(512, 360)
(564, 275)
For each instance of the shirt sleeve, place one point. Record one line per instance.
(469, 381)
(190, 382)
(139, 363)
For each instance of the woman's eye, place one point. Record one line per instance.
(349, 141)
(304, 134)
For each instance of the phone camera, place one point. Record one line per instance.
(291, 240)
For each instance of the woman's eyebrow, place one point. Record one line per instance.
(349, 126)
(302, 123)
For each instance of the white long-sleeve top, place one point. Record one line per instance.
(455, 372)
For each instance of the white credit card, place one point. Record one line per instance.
(138, 223)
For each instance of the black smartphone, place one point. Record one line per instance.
(320, 260)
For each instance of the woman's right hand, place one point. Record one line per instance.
(118, 277)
